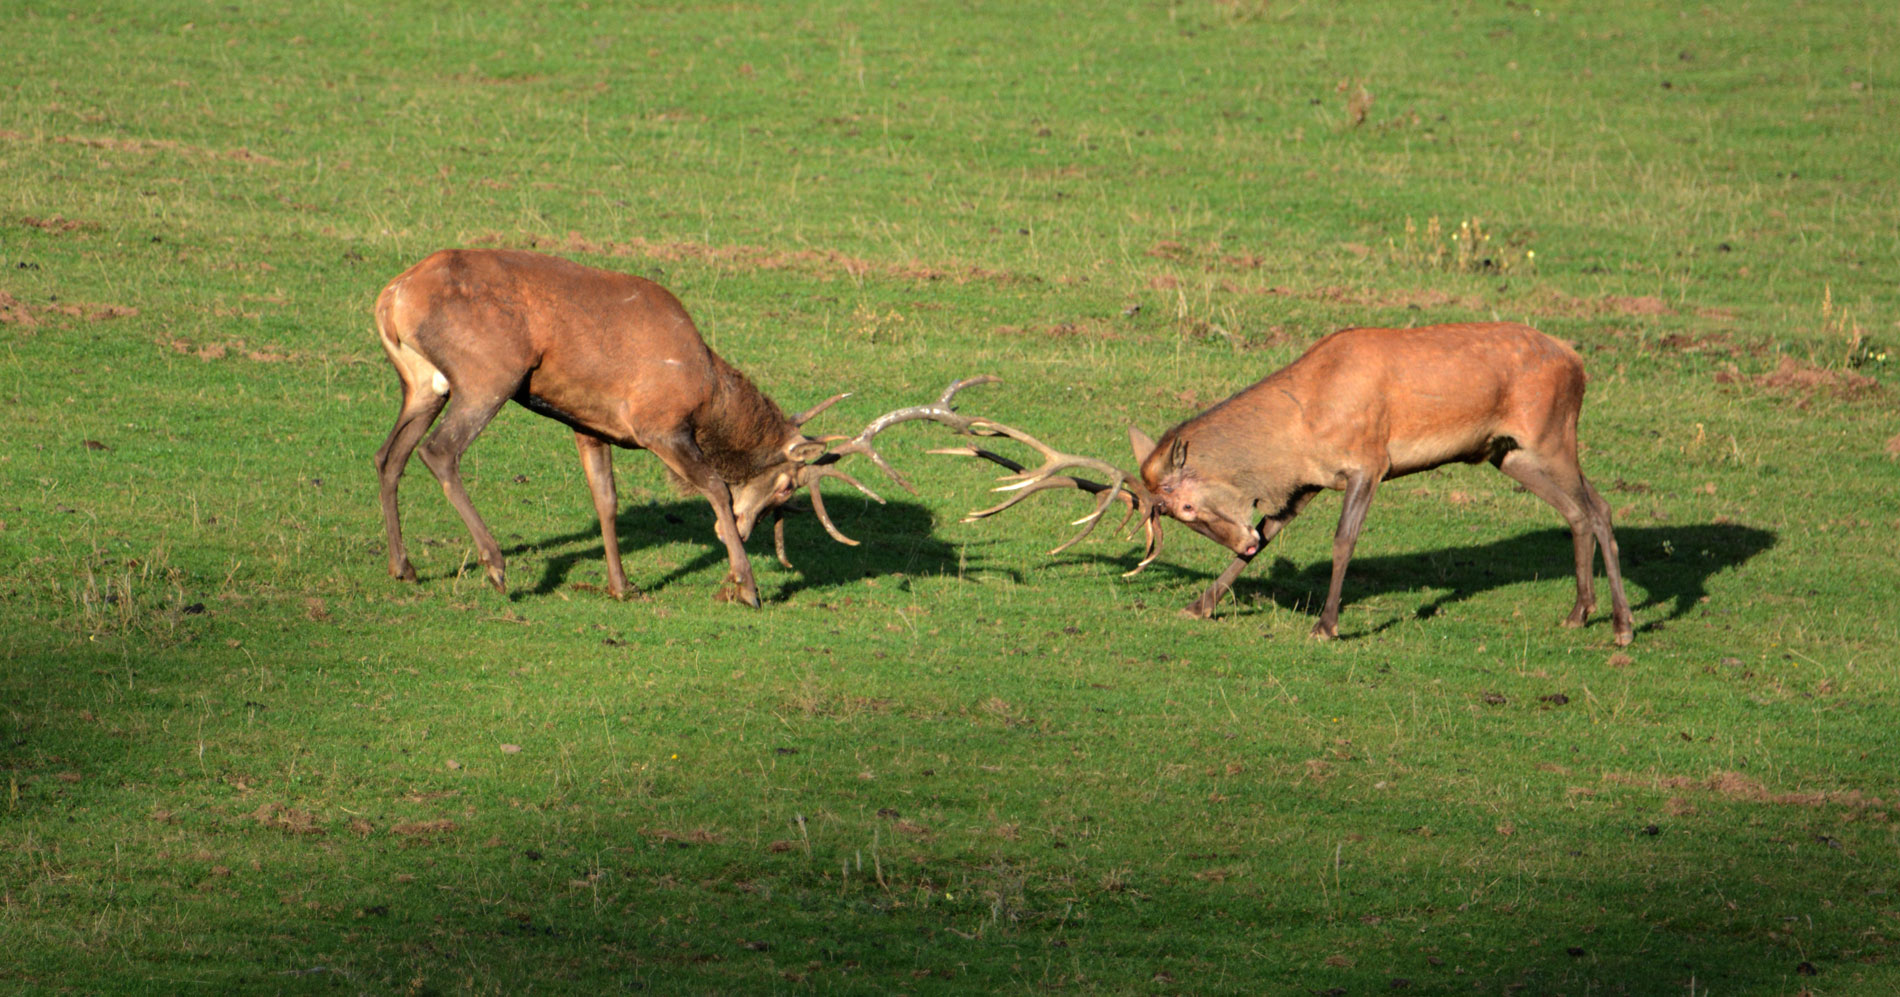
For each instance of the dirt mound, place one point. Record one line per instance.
(1792, 376)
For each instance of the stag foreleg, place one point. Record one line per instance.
(680, 453)
(739, 585)
(1203, 607)
(597, 461)
(1268, 528)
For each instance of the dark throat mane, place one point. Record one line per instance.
(740, 431)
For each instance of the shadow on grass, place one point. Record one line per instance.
(895, 538)
(1666, 568)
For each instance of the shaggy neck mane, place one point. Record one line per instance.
(739, 430)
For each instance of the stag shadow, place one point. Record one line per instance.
(1670, 566)
(893, 539)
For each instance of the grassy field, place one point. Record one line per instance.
(239, 757)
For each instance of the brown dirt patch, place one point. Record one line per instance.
(140, 146)
(1793, 376)
(1736, 786)
(696, 836)
(1420, 298)
(15, 312)
(230, 347)
(1893, 447)
(55, 223)
(283, 818)
(1083, 329)
(424, 828)
(1548, 301)
(1647, 304)
(743, 257)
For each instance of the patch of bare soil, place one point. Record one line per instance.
(423, 828)
(229, 348)
(143, 146)
(1713, 342)
(283, 818)
(696, 836)
(1420, 298)
(1736, 786)
(1081, 328)
(1647, 304)
(55, 224)
(1792, 376)
(15, 312)
(743, 257)
(1549, 301)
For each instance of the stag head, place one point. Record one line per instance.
(1207, 504)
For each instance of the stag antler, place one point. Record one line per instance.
(822, 468)
(1027, 481)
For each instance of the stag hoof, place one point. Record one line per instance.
(498, 577)
(732, 591)
(404, 572)
(1325, 631)
(1623, 636)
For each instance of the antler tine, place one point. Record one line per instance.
(1027, 481)
(806, 416)
(1056, 482)
(778, 536)
(1027, 489)
(815, 474)
(1152, 527)
(939, 411)
(1053, 460)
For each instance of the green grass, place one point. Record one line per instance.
(240, 758)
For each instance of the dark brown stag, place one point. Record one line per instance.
(616, 358)
(1360, 407)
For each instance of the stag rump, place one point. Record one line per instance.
(614, 357)
(1360, 407)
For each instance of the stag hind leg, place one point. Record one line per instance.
(597, 461)
(1561, 483)
(468, 414)
(424, 392)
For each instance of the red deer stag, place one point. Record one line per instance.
(616, 358)
(1361, 406)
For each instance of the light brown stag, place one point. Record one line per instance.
(1360, 407)
(616, 358)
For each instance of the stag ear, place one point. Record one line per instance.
(1142, 444)
(804, 451)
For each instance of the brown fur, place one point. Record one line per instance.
(739, 430)
(613, 356)
(1366, 405)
